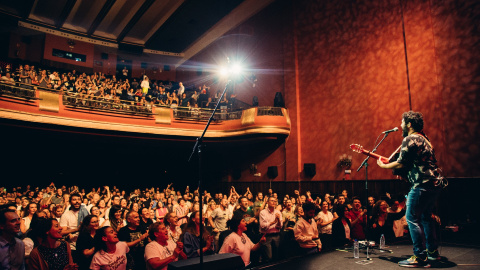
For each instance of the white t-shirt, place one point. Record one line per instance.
(234, 243)
(27, 221)
(111, 261)
(220, 218)
(325, 218)
(155, 250)
(69, 219)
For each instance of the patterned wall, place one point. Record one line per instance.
(352, 83)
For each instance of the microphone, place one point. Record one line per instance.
(390, 130)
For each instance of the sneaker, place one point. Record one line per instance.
(433, 255)
(414, 262)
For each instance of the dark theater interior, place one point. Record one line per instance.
(277, 93)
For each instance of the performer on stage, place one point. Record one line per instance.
(417, 158)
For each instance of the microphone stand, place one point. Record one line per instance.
(198, 148)
(365, 164)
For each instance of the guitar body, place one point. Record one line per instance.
(402, 172)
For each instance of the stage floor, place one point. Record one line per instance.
(453, 257)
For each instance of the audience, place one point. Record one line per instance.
(105, 92)
(290, 228)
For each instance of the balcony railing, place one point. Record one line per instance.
(198, 114)
(74, 100)
(269, 111)
(115, 105)
(12, 90)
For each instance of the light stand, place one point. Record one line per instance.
(198, 148)
(365, 164)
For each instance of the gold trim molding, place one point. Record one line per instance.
(163, 116)
(248, 116)
(48, 101)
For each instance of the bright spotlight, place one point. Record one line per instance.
(236, 69)
(224, 71)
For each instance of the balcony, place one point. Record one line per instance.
(30, 105)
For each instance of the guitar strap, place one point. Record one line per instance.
(426, 139)
(394, 152)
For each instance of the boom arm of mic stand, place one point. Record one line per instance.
(364, 163)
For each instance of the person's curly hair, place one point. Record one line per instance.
(415, 118)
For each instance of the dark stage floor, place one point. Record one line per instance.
(453, 257)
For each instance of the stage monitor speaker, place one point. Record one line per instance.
(272, 172)
(226, 261)
(309, 169)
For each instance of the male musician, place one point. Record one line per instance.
(417, 157)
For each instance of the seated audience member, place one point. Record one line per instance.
(111, 253)
(382, 221)
(162, 250)
(191, 238)
(8, 79)
(12, 249)
(134, 234)
(325, 220)
(306, 232)
(52, 252)
(238, 242)
(174, 231)
(358, 219)
(341, 228)
(85, 242)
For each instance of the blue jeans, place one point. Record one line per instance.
(420, 202)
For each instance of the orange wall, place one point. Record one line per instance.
(154, 71)
(350, 81)
(343, 76)
(107, 66)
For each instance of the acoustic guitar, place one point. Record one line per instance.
(402, 172)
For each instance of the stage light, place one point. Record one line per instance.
(236, 69)
(224, 72)
(231, 71)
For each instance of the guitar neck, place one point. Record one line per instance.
(375, 156)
